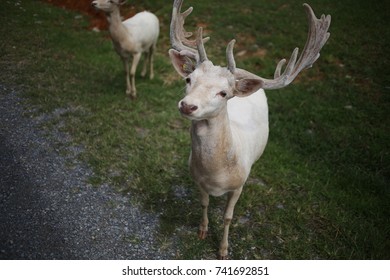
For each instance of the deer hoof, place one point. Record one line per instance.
(202, 234)
(131, 95)
(222, 257)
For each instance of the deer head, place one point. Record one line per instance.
(209, 87)
(107, 6)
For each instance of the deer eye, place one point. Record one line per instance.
(222, 93)
(188, 81)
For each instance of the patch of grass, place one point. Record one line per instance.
(321, 189)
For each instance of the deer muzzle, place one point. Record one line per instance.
(187, 109)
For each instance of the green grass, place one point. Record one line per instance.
(321, 189)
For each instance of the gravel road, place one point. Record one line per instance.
(48, 210)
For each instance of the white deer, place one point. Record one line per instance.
(131, 38)
(229, 133)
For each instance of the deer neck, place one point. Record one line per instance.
(213, 148)
(119, 33)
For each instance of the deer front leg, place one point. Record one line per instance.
(228, 216)
(136, 59)
(203, 228)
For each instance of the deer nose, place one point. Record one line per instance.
(187, 109)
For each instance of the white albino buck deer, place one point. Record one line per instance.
(131, 38)
(229, 111)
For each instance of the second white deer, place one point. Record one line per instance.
(131, 38)
(229, 133)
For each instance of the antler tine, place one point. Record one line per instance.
(179, 36)
(317, 36)
(231, 63)
(200, 46)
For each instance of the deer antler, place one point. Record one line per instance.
(317, 37)
(179, 36)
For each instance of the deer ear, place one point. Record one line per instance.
(246, 87)
(183, 64)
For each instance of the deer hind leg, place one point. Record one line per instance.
(228, 215)
(146, 62)
(203, 228)
(151, 60)
(136, 59)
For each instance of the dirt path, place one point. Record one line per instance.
(48, 210)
